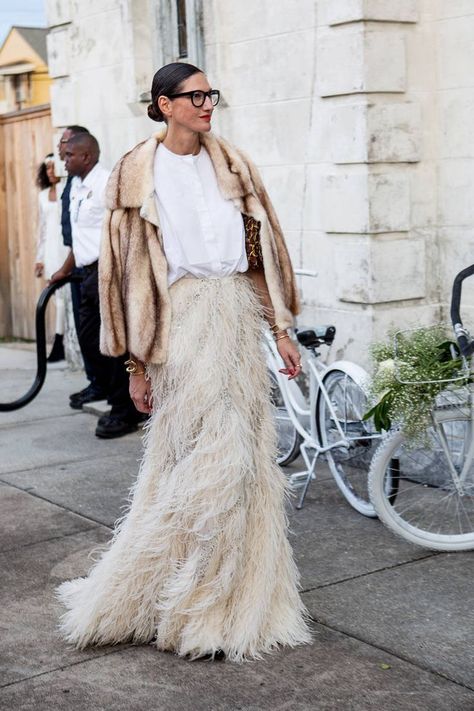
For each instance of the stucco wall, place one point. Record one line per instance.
(101, 59)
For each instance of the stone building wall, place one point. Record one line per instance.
(101, 56)
(358, 112)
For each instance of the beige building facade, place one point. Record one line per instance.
(359, 113)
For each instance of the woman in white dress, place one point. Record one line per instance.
(50, 252)
(192, 261)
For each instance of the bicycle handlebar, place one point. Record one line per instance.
(41, 362)
(466, 343)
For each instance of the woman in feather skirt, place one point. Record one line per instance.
(192, 263)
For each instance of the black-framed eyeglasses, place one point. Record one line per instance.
(199, 97)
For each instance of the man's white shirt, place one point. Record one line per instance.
(86, 208)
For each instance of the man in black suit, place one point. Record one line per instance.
(86, 211)
(93, 391)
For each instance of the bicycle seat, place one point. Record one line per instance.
(317, 336)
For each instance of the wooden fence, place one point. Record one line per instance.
(26, 137)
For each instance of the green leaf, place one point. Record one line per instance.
(377, 421)
(370, 413)
(380, 412)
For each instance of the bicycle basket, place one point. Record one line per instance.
(429, 355)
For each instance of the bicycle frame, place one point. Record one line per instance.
(303, 413)
(296, 403)
(458, 479)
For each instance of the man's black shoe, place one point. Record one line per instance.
(89, 394)
(110, 426)
(217, 656)
(57, 351)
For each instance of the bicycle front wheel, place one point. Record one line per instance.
(348, 460)
(434, 504)
(288, 438)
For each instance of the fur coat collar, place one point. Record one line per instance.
(135, 305)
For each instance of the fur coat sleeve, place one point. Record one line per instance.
(286, 273)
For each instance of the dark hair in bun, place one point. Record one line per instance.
(167, 81)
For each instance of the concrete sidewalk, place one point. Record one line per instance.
(393, 623)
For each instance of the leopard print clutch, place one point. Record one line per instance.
(253, 246)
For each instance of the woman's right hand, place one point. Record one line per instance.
(140, 392)
(39, 269)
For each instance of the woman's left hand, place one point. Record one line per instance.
(140, 393)
(291, 357)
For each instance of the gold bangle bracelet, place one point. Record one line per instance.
(131, 366)
(280, 338)
(138, 372)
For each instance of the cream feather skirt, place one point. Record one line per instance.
(201, 561)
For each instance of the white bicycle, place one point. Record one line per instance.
(328, 421)
(424, 491)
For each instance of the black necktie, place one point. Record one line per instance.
(65, 217)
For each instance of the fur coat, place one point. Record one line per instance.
(134, 299)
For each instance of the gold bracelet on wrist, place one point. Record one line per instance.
(274, 328)
(279, 338)
(131, 366)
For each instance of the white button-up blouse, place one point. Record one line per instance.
(203, 233)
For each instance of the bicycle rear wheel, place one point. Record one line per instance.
(288, 438)
(349, 463)
(429, 509)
